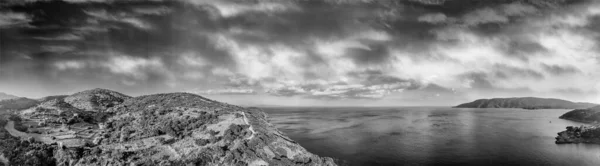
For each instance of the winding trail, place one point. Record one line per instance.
(10, 127)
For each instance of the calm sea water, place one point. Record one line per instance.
(433, 136)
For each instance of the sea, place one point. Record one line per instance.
(362, 136)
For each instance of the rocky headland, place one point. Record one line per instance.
(588, 115)
(525, 103)
(581, 134)
(103, 127)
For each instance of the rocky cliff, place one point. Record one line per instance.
(171, 129)
(525, 103)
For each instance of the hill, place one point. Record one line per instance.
(525, 103)
(95, 99)
(48, 98)
(4, 96)
(587, 115)
(161, 129)
(17, 104)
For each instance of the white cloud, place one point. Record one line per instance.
(230, 9)
(124, 18)
(133, 66)
(67, 37)
(227, 91)
(482, 16)
(464, 51)
(192, 59)
(136, 22)
(8, 19)
(518, 9)
(72, 64)
(434, 18)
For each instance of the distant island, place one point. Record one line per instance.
(104, 127)
(525, 103)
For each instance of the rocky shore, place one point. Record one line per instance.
(581, 134)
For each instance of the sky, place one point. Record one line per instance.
(304, 52)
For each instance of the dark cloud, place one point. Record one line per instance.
(503, 71)
(373, 54)
(325, 49)
(522, 49)
(560, 70)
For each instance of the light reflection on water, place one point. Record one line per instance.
(433, 135)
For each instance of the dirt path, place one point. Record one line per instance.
(10, 127)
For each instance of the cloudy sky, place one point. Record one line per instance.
(304, 52)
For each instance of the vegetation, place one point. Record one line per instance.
(589, 115)
(21, 152)
(525, 103)
(162, 129)
(17, 104)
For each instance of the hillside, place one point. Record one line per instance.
(161, 129)
(95, 99)
(17, 104)
(588, 115)
(525, 103)
(48, 98)
(4, 96)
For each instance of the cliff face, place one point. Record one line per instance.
(178, 129)
(589, 115)
(526, 103)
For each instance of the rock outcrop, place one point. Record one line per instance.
(589, 115)
(582, 134)
(174, 129)
(96, 99)
(525, 103)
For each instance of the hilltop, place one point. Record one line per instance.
(48, 98)
(95, 99)
(4, 96)
(525, 103)
(160, 129)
